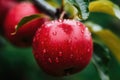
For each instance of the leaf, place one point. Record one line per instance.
(26, 20)
(111, 40)
(54, 3)
(71, 10)
(105, 6)
(101, 58)
(82, 7)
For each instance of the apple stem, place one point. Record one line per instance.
(42, 5)
(62, 10)
(62, 15)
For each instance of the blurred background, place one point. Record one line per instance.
(19, 63)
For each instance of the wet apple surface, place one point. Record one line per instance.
(62, 47)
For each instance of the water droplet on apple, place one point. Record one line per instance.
(39, 29)
(75, 38)
(49, 60)
(54, 33)
(42, 42)
(88, 50)
(82, 31)
(52, 22)
(34, 39)
(71, 48)
(78, 23)
(44, 50)
(56, 60)
(59, 20)
(71, 55)
(69, 41)
(60, 53)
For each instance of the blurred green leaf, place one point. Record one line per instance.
(101, 58)
(111, 40)
(105, 6)
(55, 3)
(82, 7)
(71, 10)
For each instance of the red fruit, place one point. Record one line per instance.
(5, 6)
(62, 47)
(24, 35)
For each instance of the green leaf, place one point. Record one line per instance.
(55, 3)
(101, 58)
(105, 6)
(110, 39)
(26, 20)
(82, 7)
(71, 10)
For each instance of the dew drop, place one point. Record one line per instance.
(37, 38)
(42, 42)
(82, 31)
(71, 55)
(52, 22)
(56, 59)
(71, 48)
(75, 38)
(60, 53)
(54, 33)
(69, 41)
(39, 29)
(80, 58)
(44, 50)
(34, 40)
(49, 60)
(88, 50)
(60, 20)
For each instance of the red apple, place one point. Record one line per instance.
(24, 35)
(62, 47)
(5, 6)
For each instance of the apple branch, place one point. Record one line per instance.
(45, 7)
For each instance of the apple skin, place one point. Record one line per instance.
(24, 36)
(62, 47)
(5, 6)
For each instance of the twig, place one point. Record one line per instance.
(62, 15)
(45, 7)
